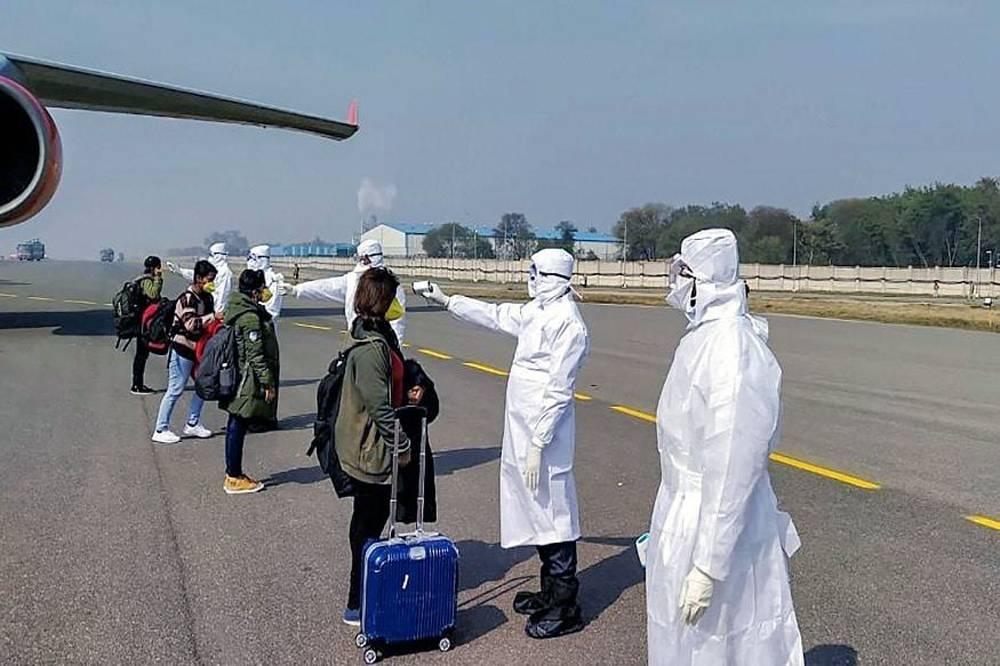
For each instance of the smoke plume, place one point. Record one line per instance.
(374, 199)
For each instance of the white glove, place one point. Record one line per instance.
(172, 267)
(435, 295)
(283, 289)
(532, 466)
(696, 595)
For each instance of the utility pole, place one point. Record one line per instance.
(979, 246)
(624, 250)
(795, 243)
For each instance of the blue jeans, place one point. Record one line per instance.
(236, 435)
(178, 371)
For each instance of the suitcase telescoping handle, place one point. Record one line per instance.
(410, 410)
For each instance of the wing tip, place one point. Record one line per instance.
(352, 113)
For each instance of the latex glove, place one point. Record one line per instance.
(172, 267)
(696, 595)
(283, 289)
(532, 467)
(435, 295)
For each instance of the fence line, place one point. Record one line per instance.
(963, 282)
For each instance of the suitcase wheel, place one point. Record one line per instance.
(444, 644)
(371, 656)
(361, 641)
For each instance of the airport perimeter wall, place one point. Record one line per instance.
(943, 282)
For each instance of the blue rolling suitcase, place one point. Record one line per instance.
(410, 587)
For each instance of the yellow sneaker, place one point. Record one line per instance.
(240, 485)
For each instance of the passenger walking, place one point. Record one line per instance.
(366, 423)
(218, 256)
(257, 351)
(192, 313)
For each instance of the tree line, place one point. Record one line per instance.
(938, 225)
(513, 238)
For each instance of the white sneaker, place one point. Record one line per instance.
(199, 431)
(165, 437)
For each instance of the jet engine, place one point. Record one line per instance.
(31, 157)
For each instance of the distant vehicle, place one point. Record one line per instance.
(33, 250)
(120, 257)
(107, 255)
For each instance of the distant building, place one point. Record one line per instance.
(407, 240)
(313, 250)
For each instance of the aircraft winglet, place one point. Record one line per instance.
(352, 113)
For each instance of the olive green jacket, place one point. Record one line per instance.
(366, 421)
(151, 285)
(257, 346)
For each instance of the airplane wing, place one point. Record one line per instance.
(66, 87)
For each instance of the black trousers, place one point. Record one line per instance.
(558, 559)
(371, 512)
(139, 362)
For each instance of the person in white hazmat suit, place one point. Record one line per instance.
(259, 259)
(341, 288)
(218, 256)
(537, 488)
(717, 583)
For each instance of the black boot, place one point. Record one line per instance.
(527, 603)
(563, 615)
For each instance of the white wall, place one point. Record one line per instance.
(393, 241)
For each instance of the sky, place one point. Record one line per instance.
(571, 110)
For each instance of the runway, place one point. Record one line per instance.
(119, 550)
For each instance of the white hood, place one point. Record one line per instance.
(714, 259)
(373, 250)
(551, 274)
(259, 258)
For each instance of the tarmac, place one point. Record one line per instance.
(118, 550)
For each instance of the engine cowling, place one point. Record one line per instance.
(31, 157)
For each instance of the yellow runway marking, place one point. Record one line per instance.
(635, 413)
(782, 459)
(824, 471)
(315, 327)
(486, 368)
(435, 354)
(71, 300)
(9, 295)
(583, 397)
(110, 305)
(40, 298)
(984, 521)
(405, 345)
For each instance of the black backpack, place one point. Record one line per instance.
(327, 408)
(128, 305)
(218, 374)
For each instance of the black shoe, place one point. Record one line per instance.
(554, 622)
(141, 390)
(528, 603)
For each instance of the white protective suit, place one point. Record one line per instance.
(259, 259)
(342, 287)
(717, 420)
(552, 344)
(218, 257)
